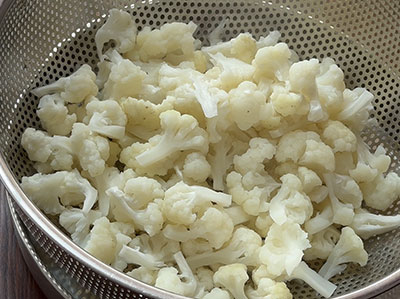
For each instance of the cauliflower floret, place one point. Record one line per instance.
(182, 202)
(302, 78)
(269, 289)
(76, 88)
(330, 85)
(125, 79)
(54, 116)
(144, 274)
(69, 188)
(309, 179)
(292, 145)
(339, 137)
(363, 173)
(242, 47)
(214, 225)
(290, 203)
(173, 42)
(288, 103)
(55, 152)
(243, 248)
(382, 191)
(378, 160)
(233, 71)
(348, 249)
(272, 62)
(92, 151)
(119, 27)
(106, 118)
(322, 219)
(367, 225)
(217, 293)
(322, 244)
(283, 248)
(233, 278)
(143, 116)
(179, 133)
(318, 156)
(143, 190)
(196, 167)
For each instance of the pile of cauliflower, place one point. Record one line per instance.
(211, 172)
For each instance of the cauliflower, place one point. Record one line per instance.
(288, 103)
(269, 289)
(179, 133)
(184, 284)
(119, 27)
(217, 293)
(309, 179)
(322, 220)
(290, 203)
(233, 278)
(173, 43)
(144, 274)
(381, 193)
(56, 152)
(322, 244)
(348, 249)
(182, 202)
(92, 151)
(125, 79)
(283, 248)
(143, 116)
(76, 88)
(196, 167)
(272, 62)
(243, 248)
(54, 115)
(339, 137)
(51, 192)
(106, 118)
(302, 78)
(367, 225)
(318, 156)
(378, 160)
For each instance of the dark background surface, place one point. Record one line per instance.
(16, 282)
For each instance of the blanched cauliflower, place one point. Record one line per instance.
(190, 168)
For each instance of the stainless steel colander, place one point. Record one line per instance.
(43, 40)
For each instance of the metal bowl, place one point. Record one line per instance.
(43, 40)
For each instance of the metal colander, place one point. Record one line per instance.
(43, 40)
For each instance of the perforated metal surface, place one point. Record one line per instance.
(43, 40)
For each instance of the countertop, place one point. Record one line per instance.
(16, 282)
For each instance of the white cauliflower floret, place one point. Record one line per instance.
(343, 213)
(233, 71)
(173, 42)
(182, 202)
(302, 78)
(179, 133)
(233, 278)
(69, 188)
(290, 203)
(183, 284)
(54, 115)
(150, 219)
(55, 152)
(106, 118)
(196, 167)
(339, 137)
(143, 190)
(318, 156)
(330, 85)
(214, 225)
(78, 223)
(217, 293)
(125, 79)
(322, 244)
(269, 289)
(309, 179)
(283, 248)
(272, 62)
(119, 27)
(378, 160)
(76, 88)
(292, 145)
(92, 151)
(367, 225)
(144, 274)
(143, 116)
(348, 249)
(347, 190)
(288, 103)
(356, 108)
(363, 173)
(243, 248)
(204, 278)
(322, 219)
(242, 47)
(381, 193)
